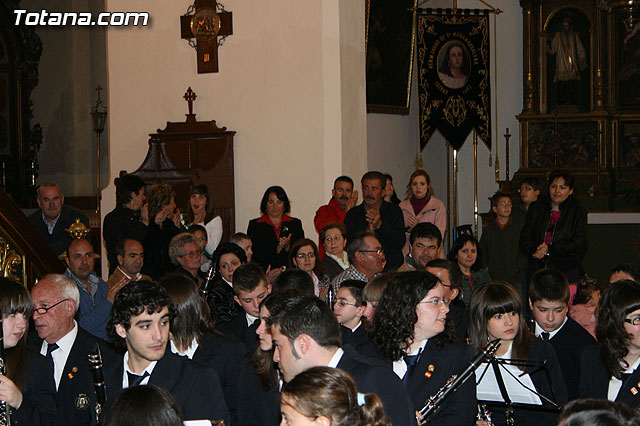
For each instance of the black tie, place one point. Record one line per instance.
(135, 380)
(411, 361)
(545, 335)
(50, 348)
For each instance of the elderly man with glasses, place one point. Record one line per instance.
(56, 299)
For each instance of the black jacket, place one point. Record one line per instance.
(265, 241)
(390, 234)
(60, 239)
(76, 383)
(156, 248)
(39, 393)
(119, 224)
(195, 388)
(569, 238)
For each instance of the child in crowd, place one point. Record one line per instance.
(349, 308)
(529, 192)
(549, 300)
(584, 309)
(499, 243)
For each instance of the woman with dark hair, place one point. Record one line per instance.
(328, 396)
(193, 335)
(390, 195)
(411, 333)
(273, 233)
(163, 225)
(597, 412)
(420, 205)
(334, 240)
(199, 213)
(260, 381)
(495, 314)
(303, 255)
(226, 259)
(465, 251)
(147, 405)
(554, 234)
(27, 388)
(610, 370)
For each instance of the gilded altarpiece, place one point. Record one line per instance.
(581, 108)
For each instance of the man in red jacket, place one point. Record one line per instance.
(343, 197)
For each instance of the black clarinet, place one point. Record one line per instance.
(95, 362)
(435, 401)
(207, 283)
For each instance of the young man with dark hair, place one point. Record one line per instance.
(294, 278)
(625, 271)
(139, 323)
(426, 242)
(306, 334)
(378, 217)
(549, 301)
(250, 288)
(450, 276)
(499, 243)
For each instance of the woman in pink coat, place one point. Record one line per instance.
(421, 206)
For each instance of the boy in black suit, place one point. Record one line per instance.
(549, 301)
(250, 288)
(139, 323)
(349, 308)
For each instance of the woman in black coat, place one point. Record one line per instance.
(273, 233)
(555, 232)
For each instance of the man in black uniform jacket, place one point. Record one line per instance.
(549, 301)
(56, 301)
(306, 334)
(379, 217)
(139, 322)
(53, 217)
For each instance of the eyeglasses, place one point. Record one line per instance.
(343, 303)
(437, 301)
(307, 255)
(633, 321)
(505, 204)
(378, 252)
(190, 254)
(44, 310)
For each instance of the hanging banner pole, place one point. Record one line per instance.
(455, 189)
(475, 182)
(449, 239)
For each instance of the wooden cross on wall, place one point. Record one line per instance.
(206, 25)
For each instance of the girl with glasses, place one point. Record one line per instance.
(610, 370)
(495, 314)
(27, 388)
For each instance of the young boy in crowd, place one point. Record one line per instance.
(499, 243)
(549, 302)
(529, 192)
(348, 309)
(249, 288)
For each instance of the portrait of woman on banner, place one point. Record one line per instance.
(454, 65)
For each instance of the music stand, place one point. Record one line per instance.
(498, 367)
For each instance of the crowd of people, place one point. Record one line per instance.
(371, 326)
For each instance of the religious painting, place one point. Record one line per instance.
(566, 47)
(453, 75)
(389, 49)
(563, 144)
(629, 145)
(628, 63)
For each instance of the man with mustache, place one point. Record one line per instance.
(378, 217)
(343, 198)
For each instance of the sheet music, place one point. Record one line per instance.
(197, 423)
(488, 390)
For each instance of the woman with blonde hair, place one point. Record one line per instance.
(420, 205)
(328, 397)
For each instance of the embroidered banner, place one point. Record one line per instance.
(453, 75)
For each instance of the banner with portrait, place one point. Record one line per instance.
(453, 75)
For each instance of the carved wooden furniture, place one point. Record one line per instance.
(24, 254)
(193, 153)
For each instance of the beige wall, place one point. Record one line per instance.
(401, 130)
(291, 84)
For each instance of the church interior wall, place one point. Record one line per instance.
(383, 128)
